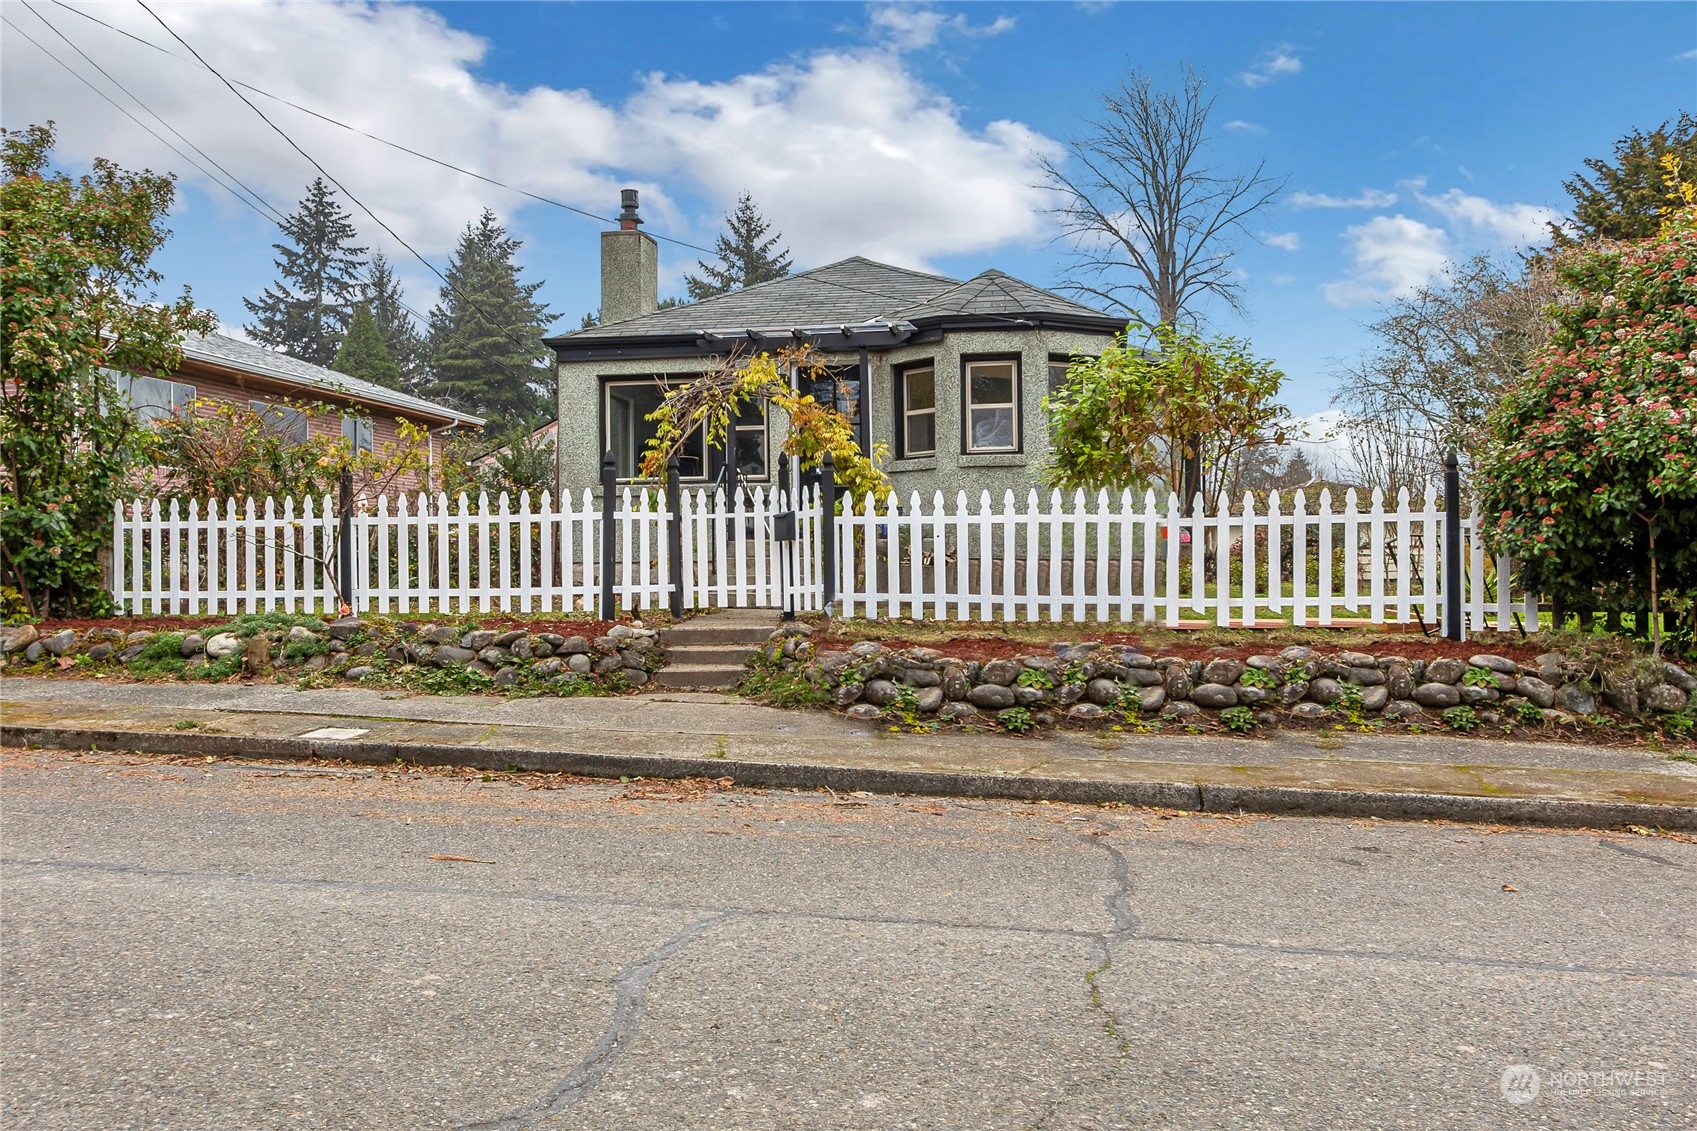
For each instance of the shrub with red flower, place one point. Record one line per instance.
(1590, 473)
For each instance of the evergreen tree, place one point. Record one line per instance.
(745, 255)
(308, 311)
(486, 352)
(1625, 199)
(364, 354)
(400, 333)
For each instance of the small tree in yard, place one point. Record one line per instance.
(76, 302)
(1590, 476)
(1135, 417)
(220, 450)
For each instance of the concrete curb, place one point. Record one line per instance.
(1204, 798)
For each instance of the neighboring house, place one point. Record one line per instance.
(949, 374)
(219, 368)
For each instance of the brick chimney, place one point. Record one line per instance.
(630, 267)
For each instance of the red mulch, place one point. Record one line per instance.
(1408, 645)
(590, 628)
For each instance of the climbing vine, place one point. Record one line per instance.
(714, 399)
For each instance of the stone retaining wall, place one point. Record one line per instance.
(1091, 681)
(351, 649)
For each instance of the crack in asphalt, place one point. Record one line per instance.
(1125, 925)
(630, 987)
(1639, 852)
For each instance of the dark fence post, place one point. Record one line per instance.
(345, 542)
(675, 536)
(828, 532)
(609, 536)
(1452, 548)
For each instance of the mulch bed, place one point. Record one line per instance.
(1407, 645)
(494, 620)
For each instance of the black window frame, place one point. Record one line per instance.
(712, 458)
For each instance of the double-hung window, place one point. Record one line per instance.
(918, 406)
(357, 431)
(280, 420)
(991, 405)
(748, 440)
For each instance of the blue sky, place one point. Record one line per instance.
(1411, 134)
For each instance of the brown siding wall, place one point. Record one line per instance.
(217, 385)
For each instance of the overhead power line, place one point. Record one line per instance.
(330, 120)
(265, 209)
(378, 220)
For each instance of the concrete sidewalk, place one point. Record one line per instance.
(684, 734)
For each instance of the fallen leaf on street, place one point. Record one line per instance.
(459, 859)
(1510, 887)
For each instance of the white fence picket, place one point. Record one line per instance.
(1074, 559)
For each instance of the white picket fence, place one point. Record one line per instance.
(1127, 559)
(419, 554)
(1080, 559)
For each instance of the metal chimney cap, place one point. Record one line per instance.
(628, 219)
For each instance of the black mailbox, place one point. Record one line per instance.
(783, 526)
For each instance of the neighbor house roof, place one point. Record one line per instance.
(855, 292)
(245, 357)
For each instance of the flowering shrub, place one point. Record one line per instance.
(1590, 475)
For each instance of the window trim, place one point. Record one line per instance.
(904, 449)
(967, 362)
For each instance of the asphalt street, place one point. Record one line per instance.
(218, 945)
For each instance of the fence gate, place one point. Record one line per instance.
(753, 549)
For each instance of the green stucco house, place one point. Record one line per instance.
(950, 374)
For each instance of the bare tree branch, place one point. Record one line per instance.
(1151, 224)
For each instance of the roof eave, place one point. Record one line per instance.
(446, 417)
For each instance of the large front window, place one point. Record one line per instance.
(627, 431)
(992, 406)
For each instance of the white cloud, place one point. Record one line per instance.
(1511, 225)
(1282, 280)
(1277, 62)
(1392, 255)
(396, 71)
(1238, 125)
(1691, 54)
(857, 157)
(908, 27)
(1366, 198)
(1285, 241)
(854, 152)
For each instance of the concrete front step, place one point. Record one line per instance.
(709, 655)
(699, 676)
(750, 626)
